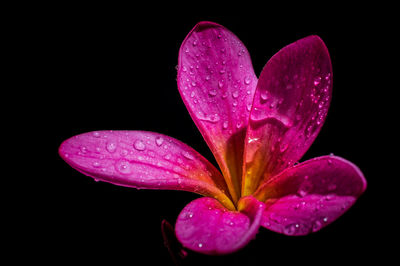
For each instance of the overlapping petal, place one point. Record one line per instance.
(217, 83)
(205, 226)
(290, 105)
(310, 195)
(143, 159)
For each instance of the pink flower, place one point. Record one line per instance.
(257, 130)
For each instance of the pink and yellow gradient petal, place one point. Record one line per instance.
(217, 83)
(143, 159)
(290, 105)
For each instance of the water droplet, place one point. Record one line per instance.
(209, 118)
(221, 83)
(96, 134)
(192, 94)
(283, 147)
(264, 95)
(123, 167)
(234, 103)
(222, 71)
(317, 80)
(327, 76)
(329, 161)
(291, 229)
(247, 80)
(238, 124)
(187, 155)
(167, 157)
(208, 77)
(225, 125)
(111, 147)
(96, 164)
(83, 149)
(305, 188)
(194, 83)
(235, 94)
(194, 43)
(316, 226)
(212, 92)
(159, 141)
(200, 245)
(139, 145)
(325, 219)
(249, 106)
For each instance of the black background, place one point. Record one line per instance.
(99, 67)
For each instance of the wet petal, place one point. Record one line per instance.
(311, 195)
(217, 83)
(142, 159)
(205, 226)
(290, 105)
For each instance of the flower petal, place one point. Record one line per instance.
(290, 106)
(217, 83)
(205, 226)
(143, 159)
(310, 195)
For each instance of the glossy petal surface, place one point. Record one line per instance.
(290, 105)
(217, 83)
(311, 195)
(205, 226)
(143, 159)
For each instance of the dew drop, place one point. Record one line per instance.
(194, 83)
(249, 106)
(200, 245)
(194, 43)
(208, 77)
(192, 94)
(305, 188)
(96, 164)
(187, 155)
(316, 226)
(247, 80)
(234, 103)
(327, 76)
(83, 149)
(212, 92)
(159, 141)
(225, 125)
(167, 156)
(111, 147)
(317, 80)
(235, 94)
(123, 167)
(221, 84)
(139, 145)
(264, 95)
(222, 71)
(96, 134)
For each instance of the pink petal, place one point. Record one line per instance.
(142, 159)
(290, 105)
(217, 83)
(310, 195)
(205, 226)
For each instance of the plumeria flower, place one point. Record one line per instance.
(257, 129)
